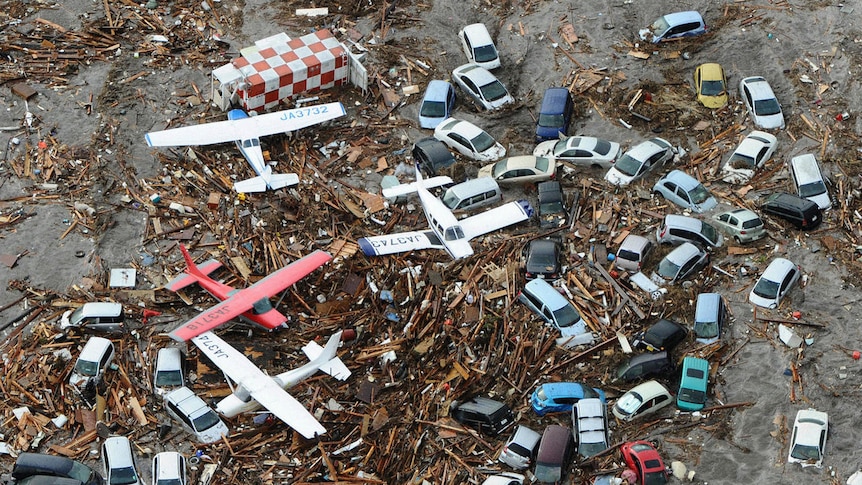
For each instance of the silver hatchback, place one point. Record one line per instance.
(742, 225)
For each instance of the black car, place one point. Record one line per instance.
(662, 335)
(552, 204)
(645, 365)
(484, 414)
(542, 259)
(32, 464)
(802, 213)
(432, 155)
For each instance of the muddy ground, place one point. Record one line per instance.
(94, 113)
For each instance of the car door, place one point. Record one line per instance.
(684, 198)
(472, 89)
(785, 284)
(686, 268)
(746, 93)
(450, 99)
(463, 145)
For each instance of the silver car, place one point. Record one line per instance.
(742, 225)
(680, 263)
(521, 448)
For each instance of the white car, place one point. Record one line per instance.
(775, 282)
(119, 462)
(685, 191)
(169, 468)
(93, 361)
(808, 440)
(752, 153)
(520, 170)
(679, 264)
(808, 180)
(586, 151)
(506, 478)
(519, 451)
(643, 399)
(482, 86)
(469, 140)
(761, 103)
(640, 159)
(195, 416)
(478, 46)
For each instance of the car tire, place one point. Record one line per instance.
(736, 238)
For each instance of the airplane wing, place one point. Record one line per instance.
(399, 243)
(245, 128)
(496, 218)
(409, 188)
(243, 300)
(259, 385)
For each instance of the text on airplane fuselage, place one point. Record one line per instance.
(303, 112)
(396, 241)
(212, 316)
(213, 347)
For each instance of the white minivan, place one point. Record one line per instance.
(92, 362)
(808, 180)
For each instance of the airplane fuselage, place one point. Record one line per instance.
(444, 224)
(250, 149)
(262, 313)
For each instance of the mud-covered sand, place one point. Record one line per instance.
(777, 45)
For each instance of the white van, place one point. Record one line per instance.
(92, 362)
(809, 181)
(472, 194)
(98, 316)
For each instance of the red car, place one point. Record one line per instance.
(644, 460)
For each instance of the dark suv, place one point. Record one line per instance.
(802, 213)
(432, 155)
(662, 335)
(485, 414)
(645, 365)
(29, 464)
(552, 204)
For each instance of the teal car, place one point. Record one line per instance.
(692, 387)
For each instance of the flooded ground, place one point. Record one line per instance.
(788, 42)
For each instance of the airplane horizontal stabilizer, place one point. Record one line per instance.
(185, 279)
(326, 358)
(409, 188)
(247, 186)
(496, 218)
(279, 180)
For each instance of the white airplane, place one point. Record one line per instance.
(245, 130)
(446, 231)
(255, 389)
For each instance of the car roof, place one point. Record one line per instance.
(753, 143)
(647, 148)
(548, 186)
(481, 404)
(634, 243)
(793, 200)
(554, 100)
(47, 480)
(804, 414)
(650, 389)
(169, 358)
(710, 70)
(683, 252)
(648, 357)
(478, 34)
(777, 269)
(677, 220)
(545, 245)
(437, 90)
(554, 441)
(562, 388)
(520, 161)
(676, 18)
(433, 146)
(691, 362)
(102, 308)
(119, 447)
(472, 186)
(187, 401)
(684, 180)
(806, 168)
(526, 435)
(461, 126)
(169, 464)
(95, 348)
(759, 87)
(476, 73)
(547, 293)
(706, 306)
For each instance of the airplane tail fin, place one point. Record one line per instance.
(193, 272)
(326, 358)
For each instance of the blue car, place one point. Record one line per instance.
(555, 114)
(437, 104)
(557, 397)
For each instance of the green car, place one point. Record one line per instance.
(692, 387)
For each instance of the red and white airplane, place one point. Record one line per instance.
(254, 389)
(446, 231)
(252, 303)
(245, 130)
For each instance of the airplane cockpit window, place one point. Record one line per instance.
(261, 306)
(251, 143)
(453, 233)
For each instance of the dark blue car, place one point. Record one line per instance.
(556, 397)
(555, 114)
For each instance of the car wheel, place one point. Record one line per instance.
(736, 238)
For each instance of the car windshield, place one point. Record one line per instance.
(659, 26)
(590, 449)
(205, 421)
(706, 329)
(805, 452)
(485, 53)
(169, 481)
(80, 472)
(548, 472)
(712, 88)
(812, 189)
(482, 142)
(87, 368)
(76, 316)
(450, 200)
(752, 223)
(493, 91)
(766, 107)
(630, 402)
(500, 168)
(542, 164)
(692, 396)
(567, 316)
(668, 269)
(433, 109)
(628, 165)
(766, 288)
(699, 194)
(551, 121)
(169, 378)
(739, 160)
(122, 476)
(551, 207)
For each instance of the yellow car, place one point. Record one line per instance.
(711, 85)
